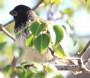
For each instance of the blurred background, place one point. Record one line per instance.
(72, 15)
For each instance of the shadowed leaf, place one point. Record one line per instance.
(8, 69)
(2, 45)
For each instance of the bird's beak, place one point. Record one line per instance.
(13, 13)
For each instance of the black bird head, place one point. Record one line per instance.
(22, 14)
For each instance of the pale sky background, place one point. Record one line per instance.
(81, 19)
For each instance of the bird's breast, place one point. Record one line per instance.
(21, 40)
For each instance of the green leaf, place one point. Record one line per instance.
(36, 27)
(57, 2)
(21, 74)
(8, 69)
(1, 3)
(52, 1)
(67, 11)
(19, 68)
(88, 5)
(2, 45)
(29, 40)
(48, 68)
(46, 2)
(59, 50)
(59, 34)
(28, 73)
(41, 27)
(87, 1)
(42, 42)
(40, 75)
(58, 76)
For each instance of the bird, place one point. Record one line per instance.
(24, 15)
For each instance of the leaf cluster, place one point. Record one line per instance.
(41, 39)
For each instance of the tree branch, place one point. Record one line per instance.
(38, 4)
(69, 67)
(8, 23)
(87, 45)
(2, 28)
(61, 67)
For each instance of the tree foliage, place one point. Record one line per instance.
(41, 38)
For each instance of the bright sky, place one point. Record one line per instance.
(81, 22)
(81, 18)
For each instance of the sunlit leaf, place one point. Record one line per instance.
(52, 1)
(59, 50)
(48, 68)
(9, 52)
(58, 76)
(29, 40)
(46, 2)
(2, 37)
(59, 34)
(88, 5)
(67, 11)
(1, 3)
(77, 3)
(42, 42)
(57, 2)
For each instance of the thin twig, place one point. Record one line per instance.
(69, 67)
(7, 33)
(34, 8)
(13, 63)
(87, 45)
(8, 23)
(61, 67)
(52, 52)
(2, 28)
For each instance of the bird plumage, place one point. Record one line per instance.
(23, 15)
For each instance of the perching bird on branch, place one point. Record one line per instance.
(23, 15)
